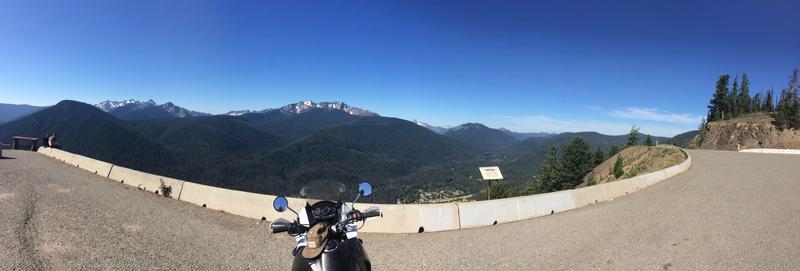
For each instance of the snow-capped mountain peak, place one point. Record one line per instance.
(435, 129)
(304, 106)
(119, 108)
(109, 106)
(239, 112)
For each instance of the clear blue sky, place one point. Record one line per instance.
(525, 65)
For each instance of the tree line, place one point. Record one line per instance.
(565, 170)
(731, 100)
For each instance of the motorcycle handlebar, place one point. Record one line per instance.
(292, 228)
(279, 228)
(372, 213)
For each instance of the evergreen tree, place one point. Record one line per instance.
(575, 163)
(769, 104)
(599, 156)
(787, 115)
(633, 137)
(613, 150)
(549, 174)
(755, 103)
(783, 111)
(618, 170)
(648, 141)
(701, 134)
(744, 96)
(794, 87)
(718, 106)
(733, 107)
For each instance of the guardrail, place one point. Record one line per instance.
(774, 151)
(398, 218)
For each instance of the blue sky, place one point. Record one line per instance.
(525, 65)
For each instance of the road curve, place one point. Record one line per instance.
(729, 211)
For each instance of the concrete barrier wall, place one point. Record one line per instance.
(145, 181)
(95, 166)
(60, 155)
(252, 205)
(412, 218)
(588, 195)
(409, 218)
(773, 151)
(491, 212)
(43, 150)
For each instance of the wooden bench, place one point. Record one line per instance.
(15, 142)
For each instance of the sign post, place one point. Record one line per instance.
(490, 174)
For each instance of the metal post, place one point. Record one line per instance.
(489, 191)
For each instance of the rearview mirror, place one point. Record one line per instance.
(280, 204)
(365, 188)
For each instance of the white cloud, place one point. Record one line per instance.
(653, 114)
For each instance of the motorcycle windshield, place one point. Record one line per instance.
(324, 190)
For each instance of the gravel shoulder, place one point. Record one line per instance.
(729, 211)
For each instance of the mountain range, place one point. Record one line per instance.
(136, 110)
(304, 148)
(9, 112)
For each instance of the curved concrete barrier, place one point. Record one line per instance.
(247, 204)
(402, 218)
(60, 155)
(412, 218)
(145, 181)
(96, 166)
(43, 150)
(773, 151)
(491, 212)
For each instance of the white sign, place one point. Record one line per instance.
(491, 173)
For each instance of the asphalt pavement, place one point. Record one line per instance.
(730, 211)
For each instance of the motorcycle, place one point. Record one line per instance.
(326, 233)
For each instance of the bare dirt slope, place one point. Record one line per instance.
(748, 132)
(636, 160)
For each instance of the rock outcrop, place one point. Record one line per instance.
(748, 132)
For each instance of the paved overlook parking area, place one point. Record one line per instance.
(729, 211)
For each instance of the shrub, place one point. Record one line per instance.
(166, 190)
(618, 170)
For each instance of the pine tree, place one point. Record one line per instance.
(783, 111)
(744, 96)
(755, 103)
(733, 107)
(599, 156)
(575, 163)
(701, 134)
(549, 174)
(769, 105)
(633, 137)
(648, 141)
(794, 87)
(718, 106)
(618, 170)
(787, 114)
(613, 150)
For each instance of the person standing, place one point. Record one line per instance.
(46, 141)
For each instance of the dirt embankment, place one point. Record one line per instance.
(748, 132)
(636, 160)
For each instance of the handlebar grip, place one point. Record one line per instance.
(372, 214)
(278, 228)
